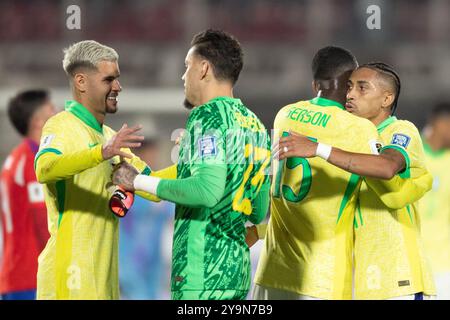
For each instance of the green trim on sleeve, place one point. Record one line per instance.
(61, 198)
(43, 151)
(407, 172)
(351, 186)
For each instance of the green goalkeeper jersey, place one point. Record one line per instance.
(228, 148)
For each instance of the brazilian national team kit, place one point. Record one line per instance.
(228, 143)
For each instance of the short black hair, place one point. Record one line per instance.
(390, 75)
(330, 62)
(22, 107)
(223, 51)
(440, 109)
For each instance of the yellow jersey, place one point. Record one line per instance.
(389, 259)
(309, 238)
(80, 260)
(435, 210)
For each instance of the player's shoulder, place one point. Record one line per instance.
(62, 118)
(403, 125)
(402, 131)
(284, 111)
(207, 114)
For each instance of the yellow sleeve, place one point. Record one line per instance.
(52, 165)
(411, 184)
(398, 192)
(56, 160)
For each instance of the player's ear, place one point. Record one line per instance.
(205, 69)
(388, 99)
(315, 87)
(80, 82)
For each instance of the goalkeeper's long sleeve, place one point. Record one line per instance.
(204, 188)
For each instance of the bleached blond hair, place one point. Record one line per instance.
(86, 54)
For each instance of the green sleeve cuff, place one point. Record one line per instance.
(406, 173)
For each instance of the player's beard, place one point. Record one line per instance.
(111, 105)
(187, 104)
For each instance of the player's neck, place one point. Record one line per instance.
(34, 135)
(100, 117)
(214, 91)
(332, 95)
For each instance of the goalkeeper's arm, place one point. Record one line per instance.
(204, 188)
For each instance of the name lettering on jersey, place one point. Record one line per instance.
(315, 118)
(45, 141)
(401, 140)
(248, 122)
(207, 146)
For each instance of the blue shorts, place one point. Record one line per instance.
(19, 295)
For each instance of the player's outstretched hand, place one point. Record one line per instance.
(124, 175)
(125, 138)
(294, 145)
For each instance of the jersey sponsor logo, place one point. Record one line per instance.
(401, 140)
(375, 146)
(35, 192)
(45, 142)
(403, 283)
(207, 146)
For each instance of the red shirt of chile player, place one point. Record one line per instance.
(23, 212)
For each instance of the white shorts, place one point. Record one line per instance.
(266, 293)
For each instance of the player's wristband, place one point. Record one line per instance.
(323, 151)
(146, 183)
(121, 201)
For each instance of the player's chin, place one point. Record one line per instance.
(111, 108)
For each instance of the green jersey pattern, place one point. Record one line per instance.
(209, 250)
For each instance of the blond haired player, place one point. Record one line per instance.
(74, 162)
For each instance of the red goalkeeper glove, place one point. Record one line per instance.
(121, 201)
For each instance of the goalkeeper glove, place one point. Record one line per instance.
(121, 201)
